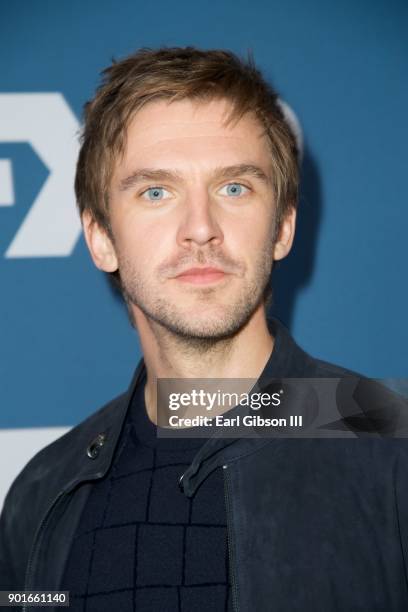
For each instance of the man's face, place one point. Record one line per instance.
(191, 193)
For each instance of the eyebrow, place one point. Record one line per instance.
(163, 175)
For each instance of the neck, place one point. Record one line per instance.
(166, 355)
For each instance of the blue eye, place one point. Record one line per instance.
(234, 189)
(154, 194)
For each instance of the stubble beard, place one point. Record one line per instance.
(167, 319)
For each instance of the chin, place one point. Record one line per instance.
(204, 327)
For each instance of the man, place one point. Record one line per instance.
(187, 185)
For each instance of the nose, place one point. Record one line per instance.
(199, 225)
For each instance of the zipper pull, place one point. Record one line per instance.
(180, 483)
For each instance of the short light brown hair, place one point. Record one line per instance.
(172, 74)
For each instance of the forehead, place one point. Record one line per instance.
(191, 131)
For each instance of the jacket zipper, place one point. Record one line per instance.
(231, 551)
(36, 543)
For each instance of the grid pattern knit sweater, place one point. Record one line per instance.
(141, 545)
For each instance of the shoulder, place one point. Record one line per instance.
(56, 465)
(63, 456)
(364, 405)
(58, 453)
(38, 484)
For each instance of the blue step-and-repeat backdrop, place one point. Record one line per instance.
(341, 66)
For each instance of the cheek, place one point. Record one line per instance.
(144, 245)
(252, 236)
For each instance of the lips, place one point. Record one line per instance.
(207, 270)
(201, 275)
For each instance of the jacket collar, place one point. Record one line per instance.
(287, 360)
(98, 436)
(103, 429)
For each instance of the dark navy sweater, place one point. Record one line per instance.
(142, 545)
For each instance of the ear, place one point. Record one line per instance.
(286, 235)
(99, 244)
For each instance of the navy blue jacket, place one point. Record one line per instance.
(313, 524)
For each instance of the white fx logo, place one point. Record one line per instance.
(51, 226)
